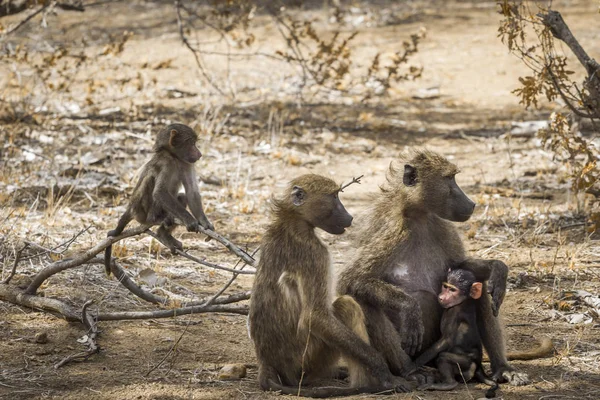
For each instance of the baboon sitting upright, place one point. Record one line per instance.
(404, 254)
(299, 328)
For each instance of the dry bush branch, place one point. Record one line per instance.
(197, 54)
(323, 59)
(15, 263)
(15, 7)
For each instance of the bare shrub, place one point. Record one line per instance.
(530, 29)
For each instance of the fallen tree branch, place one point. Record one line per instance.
(130, 285)
(62, 265)
(130, 315)
(56, 307)
(92, 333)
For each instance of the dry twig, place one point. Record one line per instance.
(354, 180)
(93, 347)
(14, 267)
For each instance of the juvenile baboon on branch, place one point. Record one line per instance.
(404, 253)
(299, 328)
(156, 198)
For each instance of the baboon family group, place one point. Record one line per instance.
(383, 318)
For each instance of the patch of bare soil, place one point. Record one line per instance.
(525, 215)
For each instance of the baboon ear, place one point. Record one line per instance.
(476, 290)
(410, 175)
(172, 138)
(298, 195)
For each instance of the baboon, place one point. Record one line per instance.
(459, 351)
(156, 197)
(299, 328)
(405, 250)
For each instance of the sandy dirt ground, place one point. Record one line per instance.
(525, 216)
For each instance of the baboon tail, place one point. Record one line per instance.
(545, 349)
(482, 377)
(107, 257)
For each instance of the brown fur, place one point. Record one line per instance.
(156, 197)
(300, 330)
(459, 350)
(404, 253)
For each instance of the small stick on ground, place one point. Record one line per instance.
(93, 347)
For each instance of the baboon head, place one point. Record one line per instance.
(460, 285)
(314, 199)
(180, 141)
(429, 184)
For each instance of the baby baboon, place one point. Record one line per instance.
(299, 329)
(458, 351)
(156, 197)
(408, 245)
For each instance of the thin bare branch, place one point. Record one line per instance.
(203, 262)
(226, 286)
(27, 19)
(66, 244)
(15, 263)
(354, 180)
(247, 258)
(130, 315)
(194, 51)
(172, 349)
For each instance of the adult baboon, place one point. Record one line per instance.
(299, 328)
(404, 254)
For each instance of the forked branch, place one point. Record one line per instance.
(354, 180)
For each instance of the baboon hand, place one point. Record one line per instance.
(412, 328)
(497, 285)
(510, 375)
(423, 375)
(206, 224)
(193, 226)
(400, 385)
